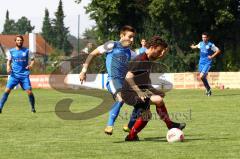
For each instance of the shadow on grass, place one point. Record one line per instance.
(163, 139)
(189, 138)
(223, 95)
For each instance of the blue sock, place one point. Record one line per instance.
(4, 99)
(135, 114)
(113, 114)
(32, 100)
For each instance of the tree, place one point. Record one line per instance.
(110, 16)
(90, 35)
(180, 23)
(184, 21)
(60, 32)
(47, 29)
(9, 25)
(23, 26)
(67, 46)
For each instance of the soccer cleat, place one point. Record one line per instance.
(0, 111)
(209, 92)
(180, 126)
(126, 129)
(108, 130)
(136, 138)
(33, 111)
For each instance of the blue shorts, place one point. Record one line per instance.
(204, 68)
(23, 81)
(114, 86)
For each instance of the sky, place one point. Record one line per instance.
(34, 11)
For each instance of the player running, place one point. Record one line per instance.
(139, 92)
(18, 67)
(118, 55)
(207, 52)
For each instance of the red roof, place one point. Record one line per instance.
(8, 41)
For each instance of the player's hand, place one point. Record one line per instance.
(82, 77)
(142, 95)
(192, 46)
(29, 67)
(210, 57)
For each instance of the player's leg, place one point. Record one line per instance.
(114, 87)
(113, 114)
(26, 85)
(31, 100)
(135, 113)
(130, 97)
(163, 113)
(203, 76)
(140, 122)
(12, 82)
(4, 98)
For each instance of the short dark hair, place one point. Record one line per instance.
(156, 41)
(127, 28)
(19, 36)
(205, 33)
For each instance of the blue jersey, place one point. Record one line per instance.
(206, 49)
(117, 61)
(142, 50)
(117, 58)
(19, 61)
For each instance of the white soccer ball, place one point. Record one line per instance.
(175, 135)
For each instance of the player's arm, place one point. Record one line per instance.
(9, 61)
(194, 46)
(98, 51)
(32, 61)
(216, 50)
(91, 56)
(30, 66)
(9, 69)
(129, 78)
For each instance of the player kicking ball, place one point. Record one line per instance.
(208, 51)
(139, 92)
(118, 55)
(18, 67)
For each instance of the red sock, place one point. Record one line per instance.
(163, 114)
(137, 127)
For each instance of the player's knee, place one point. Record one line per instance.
(7, 90)
(202, 76)
(156, 99)
(29, 92)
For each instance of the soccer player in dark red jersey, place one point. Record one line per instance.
(139, 92)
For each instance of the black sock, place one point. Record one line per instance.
(205, 82)
(32, 100)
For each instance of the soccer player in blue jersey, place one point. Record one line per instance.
(18, 66)
(143, 48)
(208, 51)
(118, 55)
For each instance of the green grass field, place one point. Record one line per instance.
(212, 128)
